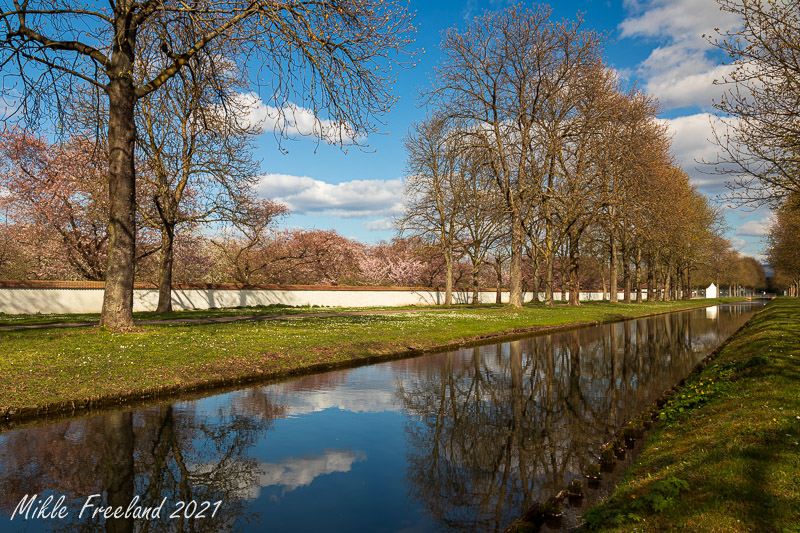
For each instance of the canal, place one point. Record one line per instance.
(457, 441)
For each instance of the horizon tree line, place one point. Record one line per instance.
(535, 169)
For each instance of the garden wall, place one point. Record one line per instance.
(87, 297)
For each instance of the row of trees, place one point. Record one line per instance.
(106, 68)
(535, 169)
(784, 248)
(534, 160)
(534, 151)
(760, 117)
(732, 272)
(54, 227)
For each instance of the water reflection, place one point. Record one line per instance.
(454, 441)
(152, 453)
(504, 426)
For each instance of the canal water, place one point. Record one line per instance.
(458, 441)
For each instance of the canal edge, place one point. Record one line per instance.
(639, 428)
(14, 418)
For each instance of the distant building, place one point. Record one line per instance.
(711, 291)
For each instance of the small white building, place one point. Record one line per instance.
(711, 291)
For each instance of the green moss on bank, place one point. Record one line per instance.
(729, 445)
(56, 367)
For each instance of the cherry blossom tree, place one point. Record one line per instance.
(60, 190)
(393, 263)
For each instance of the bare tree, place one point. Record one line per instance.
(337, 57)
(242, 241)
(483, 216)
(576, 184)
(198, 167)
(784, 248)
(433, 190)
(631, 148)
(500, 77)
(760, 111)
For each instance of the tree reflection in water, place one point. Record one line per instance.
(494, 429)
(155, 453)
(487, 431)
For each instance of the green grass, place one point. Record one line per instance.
(729, 447)
(257, 310)
(61, 366)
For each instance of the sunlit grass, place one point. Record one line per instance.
(38, 367)
(737, 449)
(258, 310)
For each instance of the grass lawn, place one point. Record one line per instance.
(258, 310)
(727, 457)
(59, 368)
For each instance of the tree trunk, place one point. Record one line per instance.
(612, 281)
(515, 267)
(548, 278)
(574, 279)
(448, 281)
(117, 311)
(165, 269)
(119, 476)
(476, 272)
(565, 279)
(626, 275)
(638, 280)
(667, 284)
(650, 284)
(688, 283)
(627, 298)
(657, 284)
(498, 271)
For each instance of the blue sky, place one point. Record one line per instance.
(656, 44)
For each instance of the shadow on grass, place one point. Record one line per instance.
(739, 453)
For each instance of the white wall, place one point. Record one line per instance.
(31, 301)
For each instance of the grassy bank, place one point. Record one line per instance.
(727, 456)
(56, 369)
(191, 314)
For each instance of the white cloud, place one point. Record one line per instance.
(755, 228)
(290, 473)
(382, 224)
(738, 243)
(678, 86)
(301, 471)
(355, 198)
(682, 70)
(692, 145)
(370, 392)
(293, 120)
(343, 398)
(679, 19)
